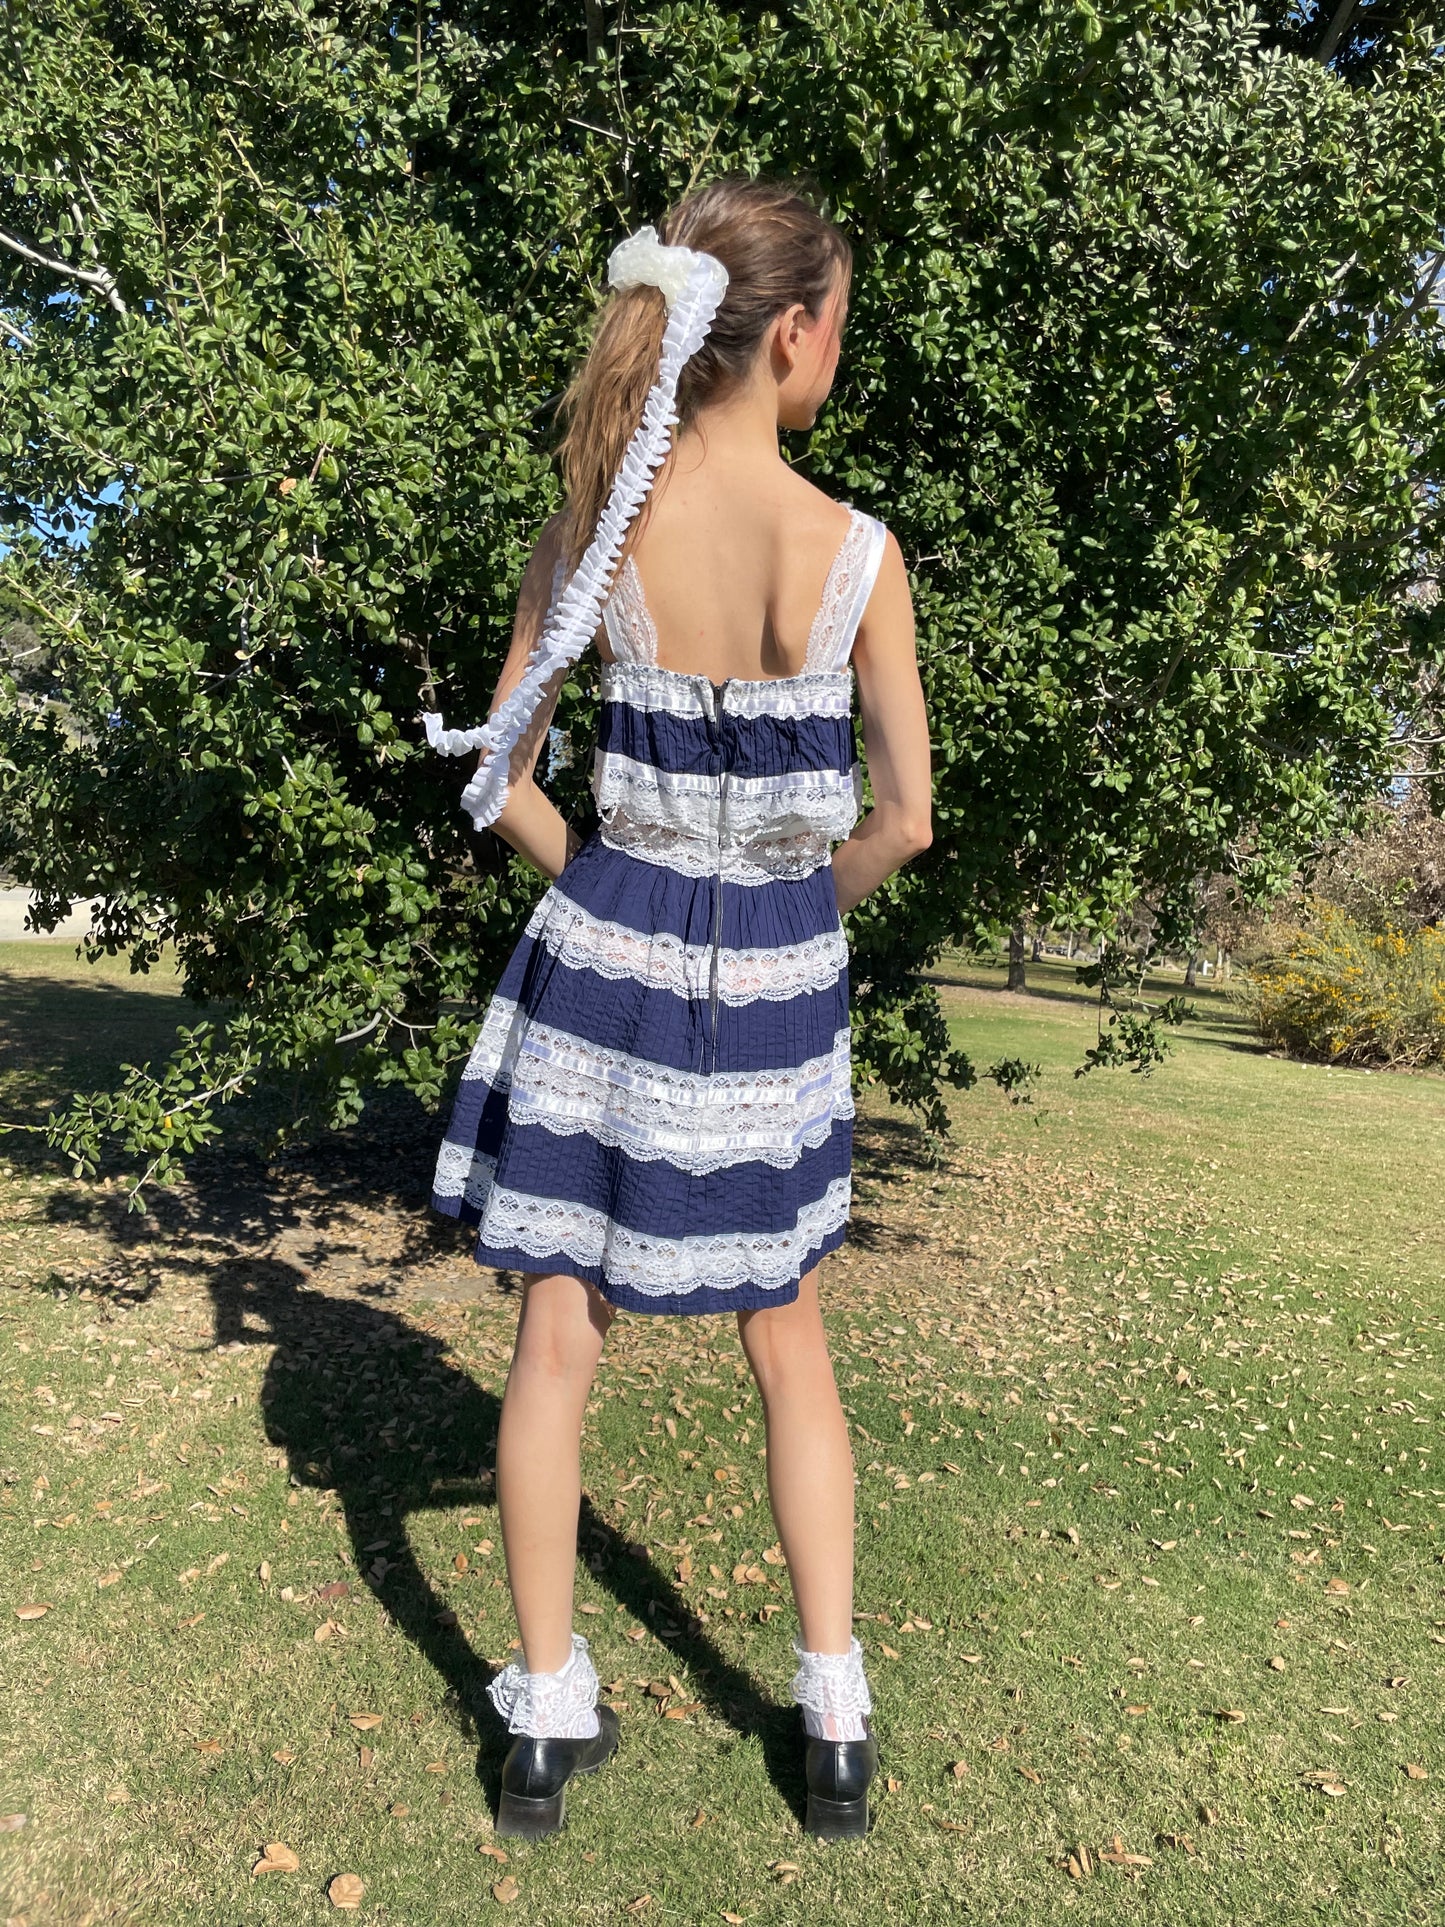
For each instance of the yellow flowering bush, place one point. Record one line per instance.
(1329, 987)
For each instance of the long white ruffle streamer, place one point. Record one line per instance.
(573, 617)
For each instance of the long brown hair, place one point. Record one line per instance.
(778, 249)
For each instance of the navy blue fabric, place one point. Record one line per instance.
(654, 1196)
(651, 897)
(664, 1028)
(762, 745)
(649, 1194)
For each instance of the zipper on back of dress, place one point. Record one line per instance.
(715, 711)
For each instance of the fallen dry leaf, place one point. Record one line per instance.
(284, 1755)
(11, 1822)
(333, 1589)
(1413, 1772)
(32, 1611)
(959, 1769)
(364, 1722)
(636, 1906)
(108, 1578)
(1231, 1713)
(346, 1891)
(278, 1858)
(505, 1890)
(494, 1853)
(888, 1652)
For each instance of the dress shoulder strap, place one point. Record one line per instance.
(846, 592)
(627, 618)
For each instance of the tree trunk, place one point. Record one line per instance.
(1191, 971)
(1017, 979)
(1037, 950)
(1073, 944)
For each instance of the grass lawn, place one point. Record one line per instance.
(1146, 1398)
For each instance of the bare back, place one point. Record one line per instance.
(733, 563)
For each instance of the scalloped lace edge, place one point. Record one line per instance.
(550, 1706)
(832, 1690)
(641, 1261)
(663, 961)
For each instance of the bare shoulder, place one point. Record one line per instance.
(811, 512)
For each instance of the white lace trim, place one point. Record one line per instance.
(648, 686)
(572, 620)
(845, 595)
(662, 961)
(833, 1691)
(628, 620)
(550, 1706)
(737, 809)
(699, 1121)
(641, 1261)
(763, 862)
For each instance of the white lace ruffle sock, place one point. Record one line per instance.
(550, 1706)
(833, 1693)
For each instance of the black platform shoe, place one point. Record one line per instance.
(839, 1775)
(535, 1775)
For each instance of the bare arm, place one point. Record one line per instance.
(895, 740)
(531, 821)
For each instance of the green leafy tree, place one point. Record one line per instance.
(1143, 371)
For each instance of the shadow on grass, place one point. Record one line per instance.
(435, 1448)
(434, 1445)
(60, 1035)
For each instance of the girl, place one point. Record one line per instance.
(657, 1114)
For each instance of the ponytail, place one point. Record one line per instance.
(778, 249)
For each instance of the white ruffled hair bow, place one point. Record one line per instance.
(693, 285)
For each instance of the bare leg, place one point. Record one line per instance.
(810, 1462)
(560, 1336)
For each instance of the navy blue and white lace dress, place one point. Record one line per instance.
(660, 1097)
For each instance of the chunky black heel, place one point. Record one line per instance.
(527, 1819)
(535, 1775)
(839, 1774)
(836, 1819)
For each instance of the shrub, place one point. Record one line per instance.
(1331, 988)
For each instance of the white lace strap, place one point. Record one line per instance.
(572, 621)
(864, 576)
(845, 592)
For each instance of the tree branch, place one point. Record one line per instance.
(100, 279)
(1335, 32)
